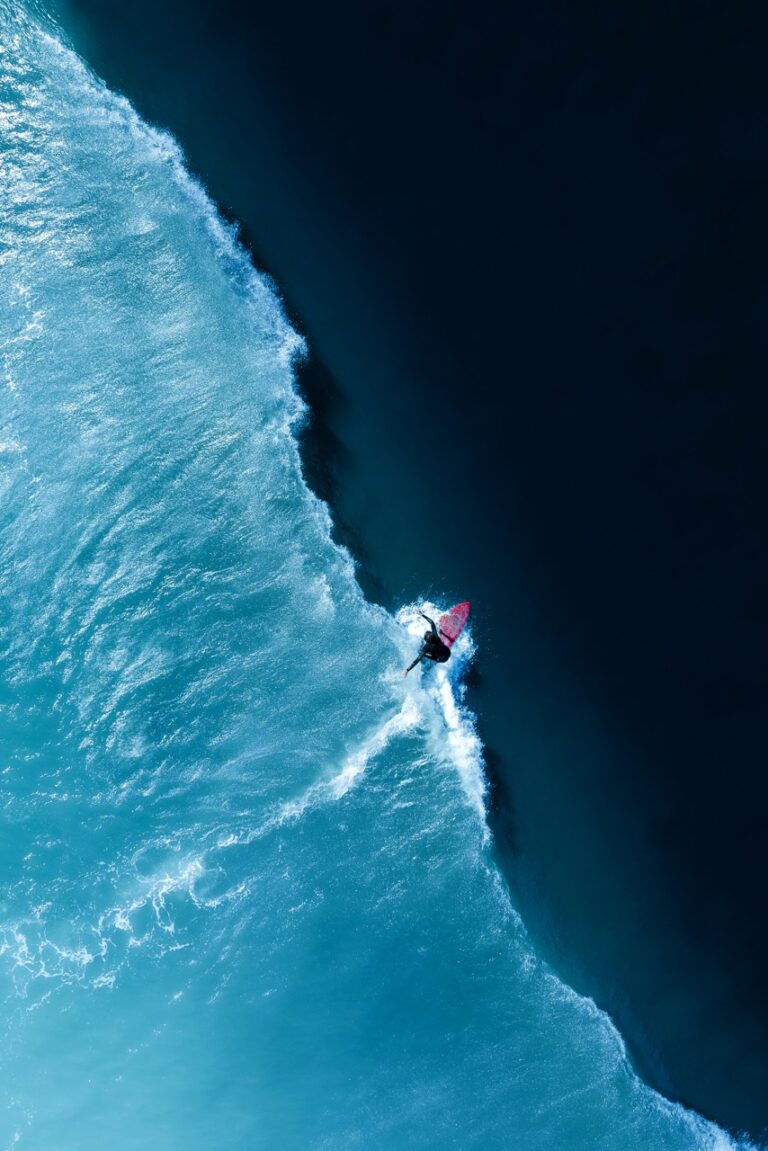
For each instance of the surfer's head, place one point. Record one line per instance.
(427, 635)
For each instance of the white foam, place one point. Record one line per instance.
(335, 787)
(452, 726)
(258, 288)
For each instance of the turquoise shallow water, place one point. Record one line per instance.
(248, 894)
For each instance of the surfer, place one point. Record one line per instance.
(432, 647)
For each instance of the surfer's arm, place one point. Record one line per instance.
(418, 659)
(431, 623)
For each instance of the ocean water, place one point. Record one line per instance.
(249, 898)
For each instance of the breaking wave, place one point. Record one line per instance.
(249, 898)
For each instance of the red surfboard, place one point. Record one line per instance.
(451, 625)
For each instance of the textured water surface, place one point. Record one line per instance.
(248, 898)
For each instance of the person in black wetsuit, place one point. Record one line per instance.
(432, 647)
